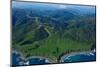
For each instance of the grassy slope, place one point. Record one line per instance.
(53, 46)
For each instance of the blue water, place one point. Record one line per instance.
(81, 58)
(16, 59)
(35, 61)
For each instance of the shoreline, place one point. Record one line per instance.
(48, 60)
(75, 53)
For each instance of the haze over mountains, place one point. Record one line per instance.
(79, 8)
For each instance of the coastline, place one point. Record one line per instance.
(48, 60)
(75, 53)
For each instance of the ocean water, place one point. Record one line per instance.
(16, 60)
(81, 58)
(36, 61)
